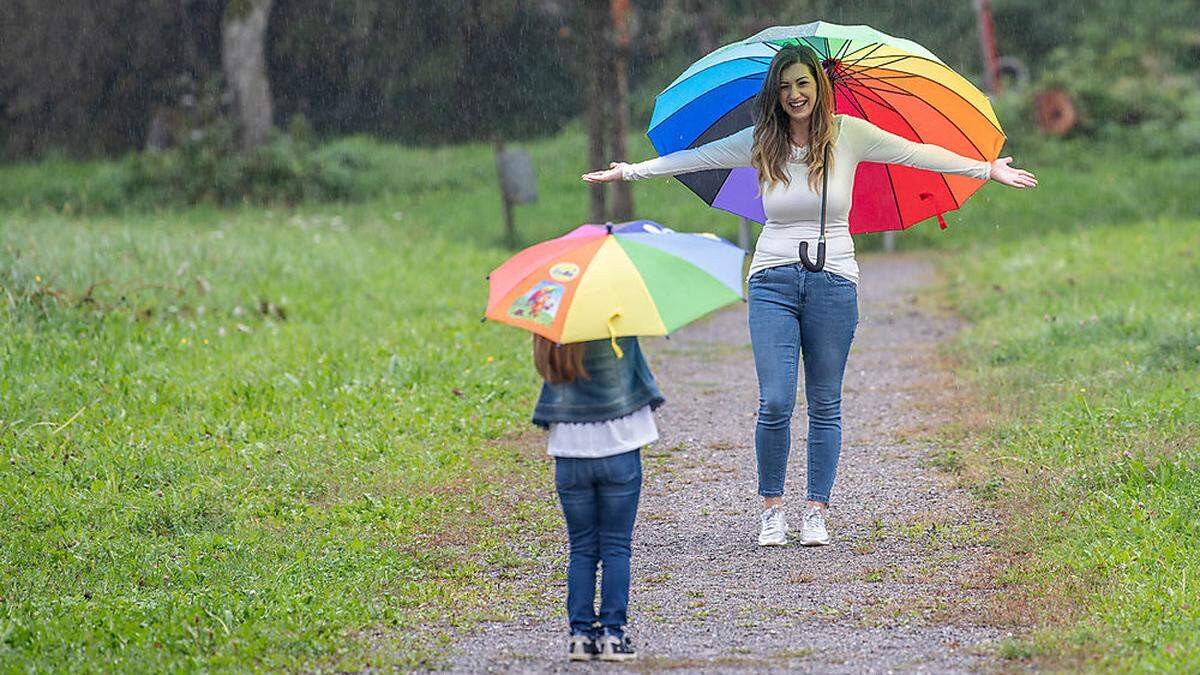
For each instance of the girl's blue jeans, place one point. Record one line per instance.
(798, 314)
(599, 501)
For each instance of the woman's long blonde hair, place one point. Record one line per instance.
(558, 363)
(772, 137)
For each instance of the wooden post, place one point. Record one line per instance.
(889, 241)
(744, 234)
(518, 184)
(510, 227)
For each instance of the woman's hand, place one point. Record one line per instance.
(612, 174)
(1003, 173)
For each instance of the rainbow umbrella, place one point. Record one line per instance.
(608, 281)
(896, 84)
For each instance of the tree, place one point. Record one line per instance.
(606, 48)
(595, 23)
(618, 113)
(243, 60)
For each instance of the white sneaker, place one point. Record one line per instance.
(612, 648)
(812, 531)
(581, 648)
(773, 527)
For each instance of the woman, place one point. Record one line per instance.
(796, 144)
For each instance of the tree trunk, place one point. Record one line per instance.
(702, 18)
(596, 52)
(622, 207)
(243, 59)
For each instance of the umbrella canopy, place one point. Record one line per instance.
(896, 84)
(608, 281)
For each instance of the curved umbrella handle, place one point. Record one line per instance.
(808, 264)
(820, 264)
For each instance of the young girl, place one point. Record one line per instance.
(597, 402)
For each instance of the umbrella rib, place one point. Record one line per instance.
(884, 87)
(894, 59)
(905, 76)
(870, 95)
(939, 174)
(900, 91)
(908, 55)
(798, 39)
(957, 204)
(851, 64)
(842, 50)
(887, 170)
(948, 69)
(854, 102)
(883, 102)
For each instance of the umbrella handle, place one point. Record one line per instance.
(808, 264)
(820, 264)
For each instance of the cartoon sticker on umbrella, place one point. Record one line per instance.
(539, 305)
(564, 272)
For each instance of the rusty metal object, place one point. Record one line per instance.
(1054, 111)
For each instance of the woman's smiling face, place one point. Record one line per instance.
(797, 92)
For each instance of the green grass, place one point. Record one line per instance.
(1079, 187)
(280, 438)
(230, 455)
(241, 447)
(1089, 340)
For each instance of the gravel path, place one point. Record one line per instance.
(905, 587)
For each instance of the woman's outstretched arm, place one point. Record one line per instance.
(873, 144)
(725, 153)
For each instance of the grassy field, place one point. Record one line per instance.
(278, 438)
(1089, 341)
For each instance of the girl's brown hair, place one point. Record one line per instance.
(558, 363)
(772, 137)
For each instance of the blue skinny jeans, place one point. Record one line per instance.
(795, 312)
(599, 501)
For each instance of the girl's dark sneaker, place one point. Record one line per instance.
(581, 648)
(613, 648)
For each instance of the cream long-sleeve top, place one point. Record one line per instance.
(793, 210)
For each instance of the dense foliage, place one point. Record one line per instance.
(93, 79)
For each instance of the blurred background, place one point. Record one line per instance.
(115, 78)
(249, 417)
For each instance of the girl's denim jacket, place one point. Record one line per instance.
(614, 387)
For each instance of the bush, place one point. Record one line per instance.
(209, 169)
(1129, 98)
(206, 169)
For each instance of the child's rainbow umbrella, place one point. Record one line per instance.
(608, 281)
(896, 84)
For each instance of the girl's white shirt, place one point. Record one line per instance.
(594, 440)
